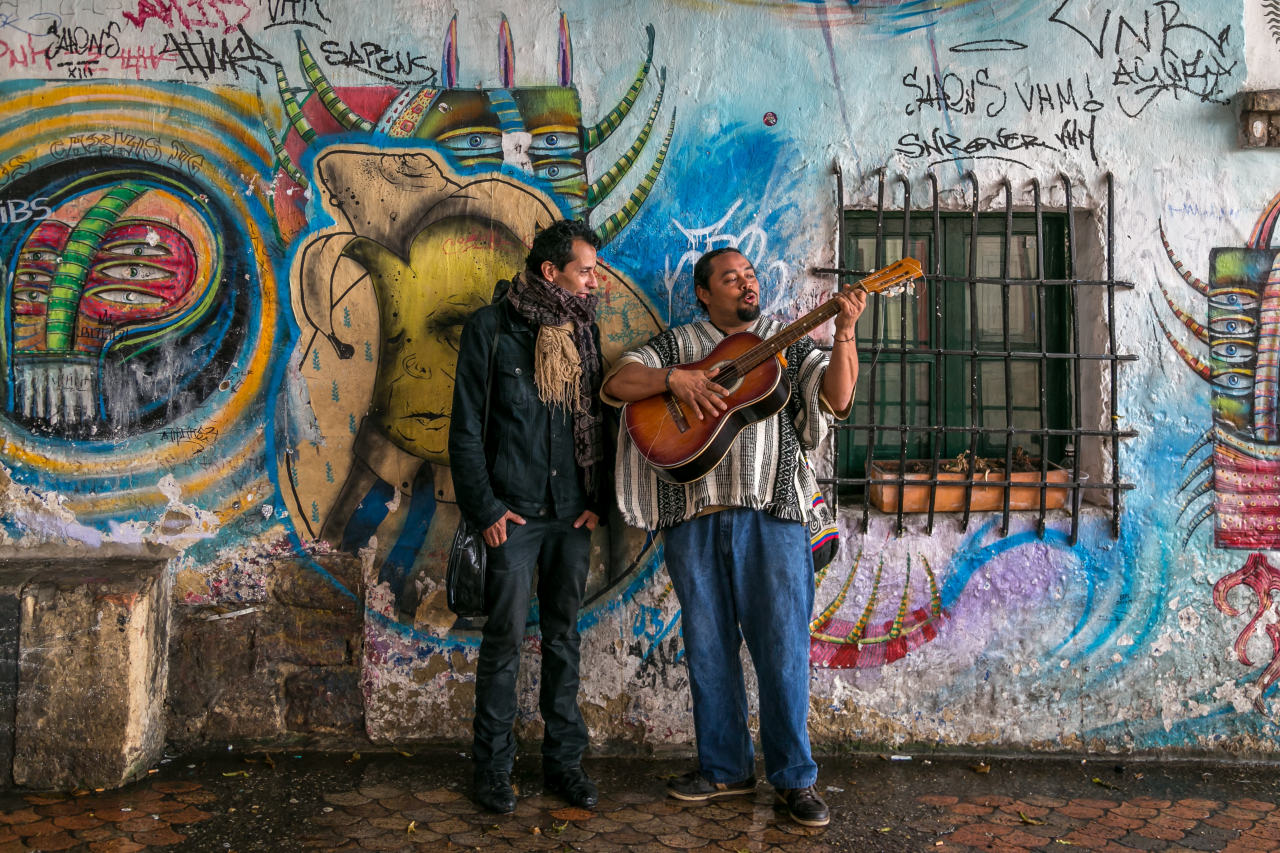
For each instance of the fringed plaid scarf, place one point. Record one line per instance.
(566, 364)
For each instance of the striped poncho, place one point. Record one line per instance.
(765, 467)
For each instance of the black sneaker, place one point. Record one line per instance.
(575, 786)
(493, 791)
(804, 806)
(694, 787)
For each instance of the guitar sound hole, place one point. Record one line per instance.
(727, 379)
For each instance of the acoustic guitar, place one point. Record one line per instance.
(682, 448)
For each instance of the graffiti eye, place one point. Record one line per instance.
(1233, 352)
(24, 294)
(1231, 326)
(138, 249)
(33, 277)
(1233, 383)
(129, 297)
(472, 141)
(1232, 302)
(133, 272)
(557, 170)
(554, 142)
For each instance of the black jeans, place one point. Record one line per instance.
(561, 554)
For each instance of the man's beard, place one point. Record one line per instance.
(748, 313)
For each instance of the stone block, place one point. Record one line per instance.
(12, 579)
(321, 582)
(325, 700)
(93, 643)
(308, 637)
(217, 690)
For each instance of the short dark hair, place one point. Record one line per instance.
(702, 271)
(555, 243)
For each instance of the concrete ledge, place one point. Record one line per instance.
(92, 653)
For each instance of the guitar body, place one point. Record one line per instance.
(682, 448)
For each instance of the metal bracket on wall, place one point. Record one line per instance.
(1260, 119)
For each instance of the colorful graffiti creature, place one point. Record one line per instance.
(108, 276)
(419, 247)
(431, 249)
(423, 233)
(536, 132)
(1242, 470)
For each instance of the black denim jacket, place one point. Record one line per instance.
(527, 464)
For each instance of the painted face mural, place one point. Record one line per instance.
(1241, 471)
(440, 204)
(107, 276)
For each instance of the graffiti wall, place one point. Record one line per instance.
(240, 239)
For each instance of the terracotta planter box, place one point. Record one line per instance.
(884, 496)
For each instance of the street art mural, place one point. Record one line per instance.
(438, 207)
(140, 303)
(240, 239)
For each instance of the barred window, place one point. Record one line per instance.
(989, 385)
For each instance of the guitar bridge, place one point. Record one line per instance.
(677, 414)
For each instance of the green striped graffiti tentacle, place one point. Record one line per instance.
(319, 84)
(895, 630)
(935, 597)
(860, 629)
(283, 160)
(607, 125)
(292, 109)
(615, 223)
(73, 269)
(818, 626)
(600, 190)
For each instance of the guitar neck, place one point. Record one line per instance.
(905, 269)
(767, 349)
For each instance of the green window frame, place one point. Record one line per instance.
(1020, 324)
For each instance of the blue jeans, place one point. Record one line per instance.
(742, 573)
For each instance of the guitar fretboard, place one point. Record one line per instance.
(903, 271)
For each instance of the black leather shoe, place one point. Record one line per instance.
(693, 787)
(804, 806)
(575, 786)
(493, 791)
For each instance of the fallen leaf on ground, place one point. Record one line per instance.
(1029, 820)
(1098, 781)
(412, 827)
(572, 813)
(980, 767)
(237, 773)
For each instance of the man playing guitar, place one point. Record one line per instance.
(736, 544)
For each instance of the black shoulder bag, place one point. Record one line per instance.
(464, 577)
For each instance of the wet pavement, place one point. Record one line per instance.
(283, 801)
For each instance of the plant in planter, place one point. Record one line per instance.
(987, 476)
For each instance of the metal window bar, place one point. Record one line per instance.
(935, 354)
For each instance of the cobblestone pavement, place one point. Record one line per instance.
(398, 801)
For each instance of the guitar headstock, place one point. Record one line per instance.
(898, 274)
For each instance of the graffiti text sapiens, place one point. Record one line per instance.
(377, 61)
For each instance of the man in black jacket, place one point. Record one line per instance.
(531, 482)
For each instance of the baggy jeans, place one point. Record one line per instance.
(742, 573)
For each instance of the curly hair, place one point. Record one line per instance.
(555, 243)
